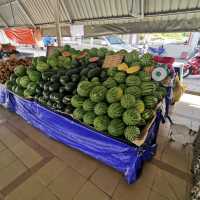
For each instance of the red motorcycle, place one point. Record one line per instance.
(192, 67)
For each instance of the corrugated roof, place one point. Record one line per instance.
(121, 15)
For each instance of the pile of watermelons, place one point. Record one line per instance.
(118, 101)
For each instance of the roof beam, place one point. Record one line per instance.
(4, 21)
(66, 11)
(25, 12)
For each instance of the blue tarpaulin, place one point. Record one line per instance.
(127, 159)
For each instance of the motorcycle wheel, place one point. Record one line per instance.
(187, 72)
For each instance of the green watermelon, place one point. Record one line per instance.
(133, 90)
(84, 88)
(88, 117)
(101, 122)
(111, 72)
(116, 127)
(148, 114)
(77, 101)
(115, 110)
(34, 76)
(128, 101)
(98, 93)
(148, 88)
(109, 83)
(120, 77)
(144, 76)
(131, 117)
(131, 133)
(139, 105)
(88, 105)
(101, 108)
(133, 80)
(24, 81)
(150, 101)
(114, 94)
(78, 113)
(20, 70)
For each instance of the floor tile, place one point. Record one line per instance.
(6, 158)
(79, 161)
(106, 178)
(67, 184)
(131, 192)
(28, 190)
(10, 173)
(169, 186)
(156, 196)
(46, 195)
(2, 146)
(7, 137)
(175, 155)
(50, 171)
(91, 192)
(28, 156)
(147, 175)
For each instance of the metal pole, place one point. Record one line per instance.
(57, 20)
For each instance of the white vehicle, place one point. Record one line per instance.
(111, 42)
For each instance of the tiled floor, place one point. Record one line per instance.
(34, 167)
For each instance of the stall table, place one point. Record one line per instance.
(124, 157)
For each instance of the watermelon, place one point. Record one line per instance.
(98, 93)
(122, 86)
(139, 106)
(148, 88)
(78, 113)
(34, 75)
(101, 108)
(77, 101)
(109, 83)
(101, 122)
(88, 117)
(150, 101)
(116, 127)
(24, 81)
(115, 110)
(133, 80)
(131, 133)
(148, 114)
(88, 105)
(144, 76)
(131, 117)
(114, 94)
(20, 70)
(128, 101)
(84, 88)
(111, 72)
(133, 90)
(120, 77)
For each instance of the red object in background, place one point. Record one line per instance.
(165, 60)
(193, 64)
(21, 35)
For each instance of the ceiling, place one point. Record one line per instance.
(101, 17)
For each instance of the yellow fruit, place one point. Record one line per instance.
(149, 69)
(122, 67)
(133, 69)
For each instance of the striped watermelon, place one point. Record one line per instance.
(131, 133)
(128, 101)
(131, 117)
(115, 110)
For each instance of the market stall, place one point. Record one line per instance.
(105, 104)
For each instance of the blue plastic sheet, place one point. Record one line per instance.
(125, 158)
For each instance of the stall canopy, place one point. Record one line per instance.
(102, 17)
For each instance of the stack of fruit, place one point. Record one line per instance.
(118, 101)
(120, 106)
(7, 67)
